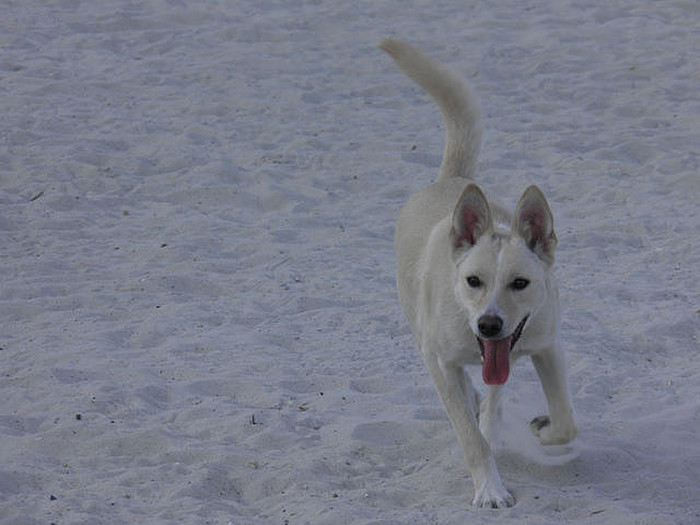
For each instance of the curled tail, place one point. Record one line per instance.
(458, 106)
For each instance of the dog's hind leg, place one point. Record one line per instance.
(456, 392)
(559, 427)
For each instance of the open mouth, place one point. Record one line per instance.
(495, 355)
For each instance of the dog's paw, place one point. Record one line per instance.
(537, 424)
(548, 434)
(493, 495)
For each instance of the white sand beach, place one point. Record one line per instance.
(198, 316)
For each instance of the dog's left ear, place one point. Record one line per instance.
(533, 221)
(471, 218)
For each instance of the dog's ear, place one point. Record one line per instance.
(533, 221)
(471, 218)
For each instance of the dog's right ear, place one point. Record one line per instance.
(533, 221)
(471, 218)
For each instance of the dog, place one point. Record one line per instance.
(476, 284)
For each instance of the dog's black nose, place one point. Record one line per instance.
(490, 325)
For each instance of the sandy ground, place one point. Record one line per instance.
(198, 319)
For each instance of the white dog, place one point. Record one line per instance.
(475, 284)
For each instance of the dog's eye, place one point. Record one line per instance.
(473, 281)
(519, 284)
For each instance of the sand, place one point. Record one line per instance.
(198, 318)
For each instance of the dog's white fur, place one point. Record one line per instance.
(469, 275)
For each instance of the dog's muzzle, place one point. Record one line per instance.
(495, 353)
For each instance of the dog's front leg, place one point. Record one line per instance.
(559, 427)
(490, 412)
(460, 400)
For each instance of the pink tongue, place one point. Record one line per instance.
(496, 365)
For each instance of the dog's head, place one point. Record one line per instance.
(501, 277)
